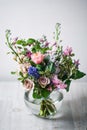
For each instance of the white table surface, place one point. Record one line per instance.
(14, 114)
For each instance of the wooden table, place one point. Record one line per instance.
(14, 115)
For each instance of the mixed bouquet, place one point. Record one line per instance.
(44, 66)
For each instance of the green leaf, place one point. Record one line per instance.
(50, 67)
(21, 74)
(67, 82)
(21, 42)
(77, 75)
(45, 93)
(13, 72)
(33, 49)
(43, 50)
(20, 78)
(39, 67)
(30, 41)
(37, 93)
(8, 52)
(47, 59)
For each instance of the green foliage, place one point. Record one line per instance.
(45, 93)
(77, 75)
(25, 43)
(47, 59)
(30, 41)
(21, 42)
(67, 82)
(39, 92)
(22, 77)
(13, 72)
(47, 108)
(50, 67)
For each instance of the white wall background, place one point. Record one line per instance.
(32, 18)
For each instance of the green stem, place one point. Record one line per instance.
(57, 32)
(47, 108)
(9, 44)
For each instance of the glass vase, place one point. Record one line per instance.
(45, 108)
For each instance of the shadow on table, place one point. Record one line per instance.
(79, 111)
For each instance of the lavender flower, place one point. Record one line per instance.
(33, 71)
(76, 62)
(14, 40)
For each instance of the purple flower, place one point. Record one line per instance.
(28, 54)
(33, 71)
(76, 62)
(14, 40)
(46, 44)
(41, 40)
(55, 44)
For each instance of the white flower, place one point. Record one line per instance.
(24, 67)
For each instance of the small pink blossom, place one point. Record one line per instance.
(58, 83)
(28, 54)
(49, 88)
(62, 86)
(67, 51)
(37, 57)
(55, 80)
(46, 44)
(41, 40)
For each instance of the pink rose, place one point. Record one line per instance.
(28, 84)
(44, 81)
(37, 57)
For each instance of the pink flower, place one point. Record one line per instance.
(55, 80)
(28, 54)
(49, 88)
(46, 44)
(41, 40)
(58, 83)
(67, 51)
(62, 86)
(37, 57)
